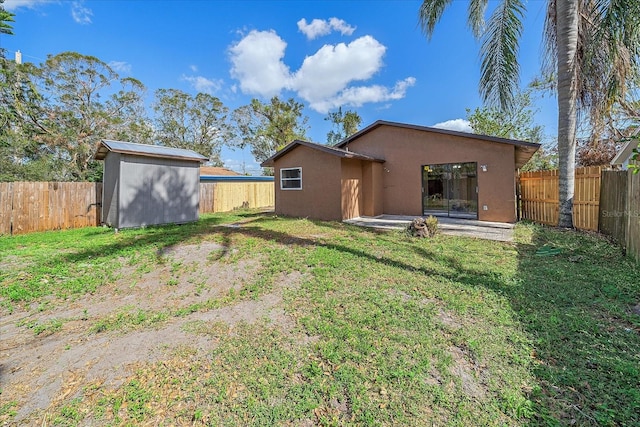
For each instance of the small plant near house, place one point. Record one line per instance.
(423, 227)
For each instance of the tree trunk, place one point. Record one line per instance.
(567, 40)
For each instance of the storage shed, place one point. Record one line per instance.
(148, 184)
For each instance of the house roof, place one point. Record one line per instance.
(146, 150)
(625, 152)
(524, 149)
(216, 171)
(324, 148)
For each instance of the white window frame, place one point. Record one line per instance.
(299, 169)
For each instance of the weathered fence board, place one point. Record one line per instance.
(539, 195)
(26, 207)
(207, 190)
(633, 215)
(6, 203)
(613, 205)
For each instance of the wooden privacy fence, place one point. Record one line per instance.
(605, 201)
(620, 209)
(539, 197)
(227, 196)
(27, 207)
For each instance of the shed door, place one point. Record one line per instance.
(450, 189)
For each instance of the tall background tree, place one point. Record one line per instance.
(6, 18)
(83, 100)
(592, 50)
(21, 157)
(268, 127)
(198, 123)
(343, 125)
(515, 123)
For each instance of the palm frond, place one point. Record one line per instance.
(477, 9)
(609, 49)
(430, 13)
(499, 78)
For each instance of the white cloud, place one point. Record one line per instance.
(358, 96)
(324, 78)
(460, 125)
(341, 26)
(16, 4)
(320, 27)
(257, 63)
(331, 68)
(203, 84)
(81, 14)
(194, 68)
(120, 66)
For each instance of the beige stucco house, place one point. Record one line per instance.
(400, 169)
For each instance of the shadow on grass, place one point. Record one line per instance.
(574, 307)
(159, 238)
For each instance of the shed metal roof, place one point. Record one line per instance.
(325, 148)
(146, 150)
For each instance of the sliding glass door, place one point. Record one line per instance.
(450, 189)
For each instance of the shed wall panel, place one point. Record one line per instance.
(157, 191)
(111, 179)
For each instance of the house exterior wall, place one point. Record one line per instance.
(320, 196)
(406, 150)
(351, 188)
(110, 189)
(157, 191)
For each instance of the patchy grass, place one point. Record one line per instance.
(382, 329)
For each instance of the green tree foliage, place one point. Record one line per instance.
(343, 125)
(592, 50)
(6, 18)
(515, 123)
(60, 110)
(604, 138)
(197, 123)
(21, 157)
(268, 127)
(84, 101)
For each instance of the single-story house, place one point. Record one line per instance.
(622, 160)
(400, 169)
(148, 184)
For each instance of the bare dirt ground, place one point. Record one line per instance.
(38, 370)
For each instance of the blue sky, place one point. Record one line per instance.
(368, 56)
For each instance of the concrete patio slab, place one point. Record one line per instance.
(499, 231)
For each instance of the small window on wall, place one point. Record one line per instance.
(291, 179)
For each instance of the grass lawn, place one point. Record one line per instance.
(251, 319)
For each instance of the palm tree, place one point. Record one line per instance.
(592, 48)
